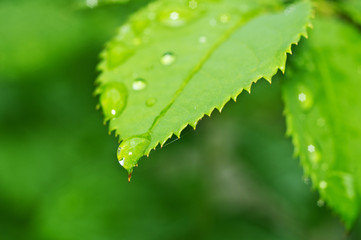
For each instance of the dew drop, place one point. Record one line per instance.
(306, 180)
(224, 18)
(130, 151)
(113, 99)
(320, 203)
(121, 162)
(168, 58)
(323, 185)
(305, 99)
(117, 53)
(289, 10)
(139, 84)
(91, 3)
(193, 4)
(176, 17)
(150, 102)
(202, 39)
(313, 154)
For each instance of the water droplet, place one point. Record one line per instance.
(202, 39)
(150, 102)
(320, 203)
(193, 4)
(139, 25)
(176, 17)
(305, 98)
(224, 18)
(311, 148)
(139, 84)
(131, 150)
(117, 53)
(168, 58)
(289, 10)
(306, 180)
(323, 185)
(313, 154)
(113, 99)
(91, 3)
(121, 162)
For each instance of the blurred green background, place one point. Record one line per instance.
(233, 178)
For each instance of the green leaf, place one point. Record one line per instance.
(322, 98)
(352, 8)
(175, 61)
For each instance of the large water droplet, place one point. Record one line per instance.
(305, 98)
(131, 150)
(139, 84)
(113, 99)
(175, 17)
(168, 58)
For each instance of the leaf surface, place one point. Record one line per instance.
(321, 94)
(352, 8)
(175, 61)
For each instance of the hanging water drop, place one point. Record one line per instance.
(130, 151)
(168, 58)
(139, 84)
(121, 162)
(113, 99)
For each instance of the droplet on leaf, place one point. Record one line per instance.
(139, 84)
(150, 102)
(305, 98)
(176, 17)
(168, 58)
(117, 53)
(113, 99)
(131, 150)
(313, 154)
(202, 39)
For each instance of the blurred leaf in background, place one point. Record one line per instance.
(234, 178)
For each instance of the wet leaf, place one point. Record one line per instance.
(179, 60)
(321, 92)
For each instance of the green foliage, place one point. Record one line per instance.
(172, 63)
(321, 92)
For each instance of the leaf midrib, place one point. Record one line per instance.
(198, 67)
